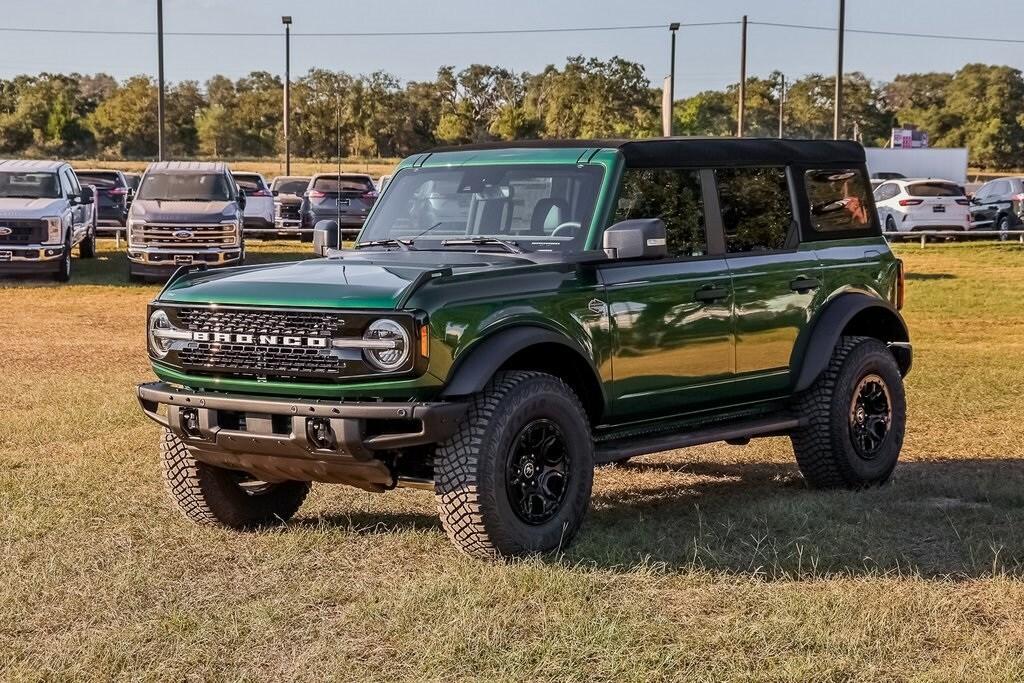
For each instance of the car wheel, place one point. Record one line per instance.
(856, 415)
(516, 478)
(1004, 228)
(87, 248)
(219, 497)
(890, 224)
(64, 274)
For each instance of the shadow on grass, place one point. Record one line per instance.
(949, 517)
(930, 276)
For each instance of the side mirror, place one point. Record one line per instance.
(87, 196)
(636, 238)
(325, 236)
(241, 199)
(275, 192)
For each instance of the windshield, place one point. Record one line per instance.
(201, 187)
(346, 183)
(544, 207)
(29, 185)
(291, 186)
(250, 183)
(101, 180)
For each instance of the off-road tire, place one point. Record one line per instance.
(472, 467)
(87, 248)
(211, 495)
(824, 447)
(64, 274)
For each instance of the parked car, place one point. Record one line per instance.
(259, 203)
(113, 197)
(998, 204)
(578, 303)
(185, 213)
(133, 180)
(288, 191)
(909, 205)
(44, 213)
(345, 198)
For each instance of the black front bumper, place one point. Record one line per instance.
(299, 439)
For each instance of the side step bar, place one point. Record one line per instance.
(620, 449)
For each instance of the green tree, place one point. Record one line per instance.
(125, 124)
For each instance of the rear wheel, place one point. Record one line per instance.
(856, 415)
(516, 478)
(1004, 228)
(219, 497)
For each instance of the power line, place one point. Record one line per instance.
(367, 34)
(872, 32)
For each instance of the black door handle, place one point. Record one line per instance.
(804, 284)
(711, 293)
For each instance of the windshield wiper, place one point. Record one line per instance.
(386, 242)
(511, 247)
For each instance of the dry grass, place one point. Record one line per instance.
(268, 167)
(707, 564)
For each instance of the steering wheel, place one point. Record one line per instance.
(567, 229)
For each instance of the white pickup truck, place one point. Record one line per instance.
(44, 213)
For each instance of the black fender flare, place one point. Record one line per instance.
(814, 349)
(472, 372)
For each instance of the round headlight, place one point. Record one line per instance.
(387, 345)
(158, 343)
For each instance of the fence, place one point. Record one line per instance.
(923, 235)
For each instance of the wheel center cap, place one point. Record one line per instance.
(860, 415)
(529, 469)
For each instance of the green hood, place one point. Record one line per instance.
(351, 282)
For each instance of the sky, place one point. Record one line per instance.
(707, 56)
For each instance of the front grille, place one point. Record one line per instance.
(185, 234)
(247, 359)
(236, 321)
(23, 231)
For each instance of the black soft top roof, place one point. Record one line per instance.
(656, 152)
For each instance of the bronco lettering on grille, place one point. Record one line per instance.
(261, 339)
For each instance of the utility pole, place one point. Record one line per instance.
(782, 102)
(673, 27)
(838, 104)
(287, 21)
(160, 79)
(743, 78)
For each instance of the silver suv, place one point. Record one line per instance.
(185, 213)
(44, 213)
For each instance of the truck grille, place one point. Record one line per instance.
(247, 359)
(23, 231)
(288, 212)
(179, 234)
(237, 321)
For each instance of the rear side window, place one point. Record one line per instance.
(934, 190)
(674, 196)
(756, 209)
(838, 199)
(999, 188)
(343, 184)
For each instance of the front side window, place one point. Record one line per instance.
(756, 210)
(544, 207)
(29, 185)
(181, 187)
(838, 199)
(65, 183)
(674, 196)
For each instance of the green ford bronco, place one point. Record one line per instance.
(513, 314)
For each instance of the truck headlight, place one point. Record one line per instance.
(53, 230)
(135, 228)
(386, 345)
(163, 333)
(233, 226)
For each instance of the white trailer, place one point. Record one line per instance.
(947, 163)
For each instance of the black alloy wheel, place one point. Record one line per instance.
(870, 416)
(538, 472)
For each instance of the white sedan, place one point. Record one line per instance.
(908, 204)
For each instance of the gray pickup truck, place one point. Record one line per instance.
(44, 213)
(185, 213)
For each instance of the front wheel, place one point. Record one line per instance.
(87, 248)
(516, 478)
(1004, 228)
(856, 414)
(216, 496)
(63, 273)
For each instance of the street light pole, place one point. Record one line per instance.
(160, 79)
(673, 27)
(838, 104)
(782, 102)
(287, 21)
(743, 78)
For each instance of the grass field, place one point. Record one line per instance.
(268, 167)
(706, 564)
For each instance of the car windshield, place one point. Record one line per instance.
(934, 190)
(29, 185)
(544, 207)
(346, 183)
(185, 187)
(291, 186)
(103, 181)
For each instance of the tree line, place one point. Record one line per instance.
(376, 115)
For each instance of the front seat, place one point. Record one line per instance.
(548, 214)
